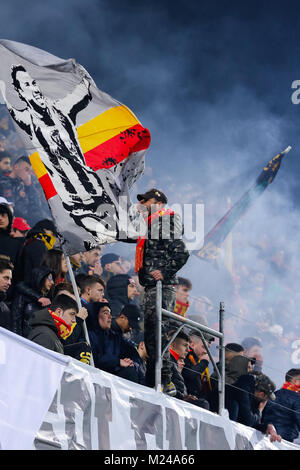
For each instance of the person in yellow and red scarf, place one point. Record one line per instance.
(159, 256)
(195, 372)
(183, 289)
(51, 326)
(38, 241)
(284, 411)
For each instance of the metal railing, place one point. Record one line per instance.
(192, 325)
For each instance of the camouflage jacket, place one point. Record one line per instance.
(164, 250)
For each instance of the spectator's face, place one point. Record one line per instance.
(15, 233)
(256, 352)
(5, 280)
(5, 164)
(104, 318)
(64, 266)
(295, 380)
(131, 291)
(23, 171)
(96, 292)
(4, 221)
(198, 347)
(181, 346)
(69, 316)
(92, 257)
(149, 206)
(126, 265)
(49, 282)
(77, 258)
(182, 294)
(115, 267)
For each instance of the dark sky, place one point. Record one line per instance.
(211, 80)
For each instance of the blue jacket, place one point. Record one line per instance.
(284, 414)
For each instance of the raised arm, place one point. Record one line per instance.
(22, 118)
(77, 100)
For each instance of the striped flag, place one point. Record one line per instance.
(86, 148)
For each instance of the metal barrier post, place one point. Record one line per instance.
(158, 359)
(221, 382)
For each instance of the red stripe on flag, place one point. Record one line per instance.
(47, 186)
(114, 150)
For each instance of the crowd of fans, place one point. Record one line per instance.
(37, 301)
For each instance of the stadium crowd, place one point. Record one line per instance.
(113, 328)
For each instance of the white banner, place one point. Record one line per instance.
(29, 378)
(96, 410)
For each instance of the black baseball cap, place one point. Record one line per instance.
(156, 193)
(133, 313)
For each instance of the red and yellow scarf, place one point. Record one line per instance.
(290, 386)
(139, 253)
(205, 378)
(181, 308)
(64, 330)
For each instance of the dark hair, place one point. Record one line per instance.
(87, 280)
(234, 347)
(4, 154)
(14, 70)
(65, 302)
(23, 158)
(52, 259)
(62, 286)
(181, 335)
(182, 281)
(291, 373)
(5, 263)
(249, 342)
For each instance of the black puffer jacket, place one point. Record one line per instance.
(44, 331)
(26, 298)
(164, 250)
(5, 316)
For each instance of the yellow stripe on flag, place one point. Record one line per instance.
(105, 126)
(37, 165)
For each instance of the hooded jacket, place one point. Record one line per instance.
(117, 293)
(34, 249)
(44, 331)
(25, 301)
(105, 344)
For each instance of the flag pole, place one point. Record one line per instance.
(75, 289)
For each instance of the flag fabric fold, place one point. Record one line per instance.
(86, 148)
(214, 239)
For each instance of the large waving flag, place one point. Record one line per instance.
(214, 239)
(86, 148)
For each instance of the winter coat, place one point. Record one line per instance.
(241, 404)
(128, 349)
(165, 251)
(31, 256)
(116, 293)
(44, 331)
(25, 301)
(5, 315)
(284, 414)
(192, 374)
(177, 379)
